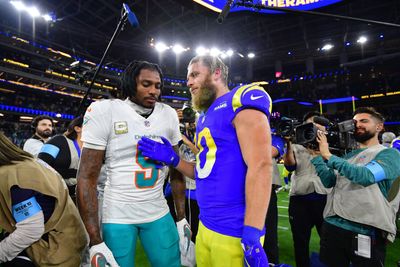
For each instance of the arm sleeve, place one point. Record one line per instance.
(388, 160)
(326, 174)
(96, 124)
(26, 233)
(50, 150)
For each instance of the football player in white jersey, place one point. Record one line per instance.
(134, 204)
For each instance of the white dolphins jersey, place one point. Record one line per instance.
(134, 188)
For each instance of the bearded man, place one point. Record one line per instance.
(43, 126)
(360, 213)
(233, 168)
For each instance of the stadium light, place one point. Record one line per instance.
(327, 47)
(215, 52)
(229, 53)
(33, 11)
(201, 51)
(178, 49)
(161, 47)
(251, 55)
(18, 5)
(47, 17)
(362, 40)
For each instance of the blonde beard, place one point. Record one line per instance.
(206, 96)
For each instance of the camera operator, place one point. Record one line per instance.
(307, 196)
(271, 220)
(360, 212)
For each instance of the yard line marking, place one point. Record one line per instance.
(282, 207)
(283, 215)
(287, 201)
(283, 228)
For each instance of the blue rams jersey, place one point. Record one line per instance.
(220, 169)
(396, 143)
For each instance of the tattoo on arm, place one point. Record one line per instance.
(88, 173)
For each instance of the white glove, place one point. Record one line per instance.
(190, 259)
(101, 255)
(185, 234)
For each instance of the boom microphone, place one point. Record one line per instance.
(321, 120)
(131, 16)
(225, 11)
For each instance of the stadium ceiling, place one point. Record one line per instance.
(85, 27)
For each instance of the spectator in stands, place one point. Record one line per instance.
(43, 126)
(307, 196)
(62, 152)
(360, 214)
(41, 223)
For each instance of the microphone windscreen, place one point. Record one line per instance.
(321, 120)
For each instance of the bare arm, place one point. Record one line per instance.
(178, 186)
(288, 158)
(253, 132)
(190, 145)
(186, 168)
(86, 191)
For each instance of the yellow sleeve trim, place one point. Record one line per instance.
(237, 97)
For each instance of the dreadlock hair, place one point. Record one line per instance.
(10, 153)
(128, 78)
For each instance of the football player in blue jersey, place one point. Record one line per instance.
(233, 168)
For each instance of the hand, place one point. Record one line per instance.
(323, 145)
(254, 254)
(101, 256)
(185, 235)
(162, 152)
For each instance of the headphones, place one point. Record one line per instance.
(37, 119)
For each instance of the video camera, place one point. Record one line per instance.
(189, 115)
(340, 135)
(285, 126)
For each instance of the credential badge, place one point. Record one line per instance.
(120, 127)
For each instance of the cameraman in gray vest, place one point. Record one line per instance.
(361, 210)
(307, 196)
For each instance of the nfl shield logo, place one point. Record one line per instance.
(147, 123)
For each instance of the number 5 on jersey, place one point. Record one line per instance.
(148, 175)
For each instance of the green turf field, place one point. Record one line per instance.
(286, 243)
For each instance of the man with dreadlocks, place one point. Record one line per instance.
(134, 205)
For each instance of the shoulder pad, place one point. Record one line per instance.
(251, 96)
